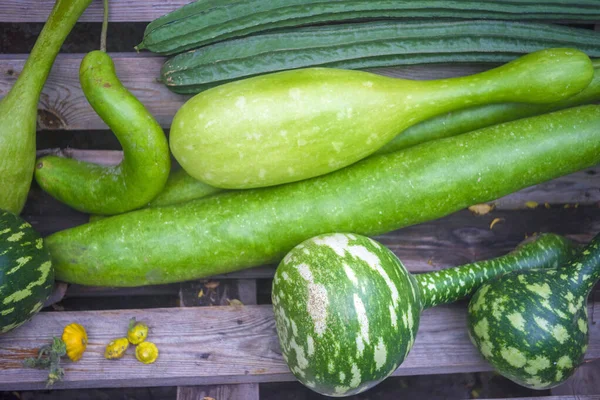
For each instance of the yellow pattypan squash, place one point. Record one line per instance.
(116, 348)
(75, 338)
(137, 332)
(146, 352)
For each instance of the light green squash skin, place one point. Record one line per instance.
(26, 272)
(347, 318)
(293, 125)
(532, 326)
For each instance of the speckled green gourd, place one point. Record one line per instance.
(18, 109)
(532, 326)
(146, 164)
(347, 310)
(26, 272)
(293, 125)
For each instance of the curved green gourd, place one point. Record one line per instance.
(203, 22)
(18, 110)
(347, 311)
(181, 187)
(26, 272)
(532, 326)
(258, 132)
(473, 118)
(246, 228)
(146, 163)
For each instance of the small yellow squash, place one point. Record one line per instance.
(116, 348)
(146, 352)
(75, 338)
(137, 332)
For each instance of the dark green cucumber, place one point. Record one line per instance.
(347, 311)
(26, 272)
(470, 119)
(368, 45)
(141, 175)
(532, 326)
(241, 229)
(204, 22)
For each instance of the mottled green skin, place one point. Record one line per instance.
(258, 132)
(451, 284)
(346, 311)
(18, 109)
(142, 174)
(368, 45)
(241, 229)
(26, 273)
(532, 326)
(203, 22)
(470, 119)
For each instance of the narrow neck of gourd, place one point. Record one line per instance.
(452, 284)
(31, 80)
(585, 268)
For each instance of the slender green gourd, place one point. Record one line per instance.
(532, 326)
(203, 22)
(181, 187)
(294, 125)
(26, 272)
(18, 110)
(141, 175)
(368, 45)
(470, 119)
(246, 228)
(347, 310)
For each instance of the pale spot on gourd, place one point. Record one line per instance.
(393, 317)
(356, 379)
(486, 348)
(301, 142)
(295, 93)
(380, 354)
(285, 276)
(342, 376)
(317, 306)
(240, 103)
(300, 357)
(305, 273)
(481, 329)
(517, 321)
(294, 328)
(564, 362)
(480, 298)
(341, 390)
(310, 345)
(539, 363)
(15, 237)
(331, 367)
(368, 84)
(542, 290)
(542, 323)
(21, 261)
(560, 333)
(582, 325)
(536, 382)
(514, 357)
(7, 311)
(350, 274)
(363, 321)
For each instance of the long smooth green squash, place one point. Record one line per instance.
(368, 45)
(470, 119)
(203, 22)
(18, 110)
(142, 174)
(242, 229)
(293, 125)
(347, 311)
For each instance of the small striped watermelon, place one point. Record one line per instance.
(532, 326)
(347, 311)
(26, 273)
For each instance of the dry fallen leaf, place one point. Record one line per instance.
(200, 293)
(547, 205)
(208, 398)
(531, 204)
(481, 209)
(495, 221)
(235, 303)
(212, 284)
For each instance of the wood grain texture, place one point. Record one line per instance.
(63, 105)
(574, 397)
(211, 293)
(585, 381)
(218, 345)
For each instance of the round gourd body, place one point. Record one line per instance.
(26, 273)
(530, 326)
(346, 311)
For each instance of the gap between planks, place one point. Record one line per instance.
(219, 345)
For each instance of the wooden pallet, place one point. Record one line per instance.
(230, 349)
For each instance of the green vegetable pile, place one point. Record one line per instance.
(286, 160)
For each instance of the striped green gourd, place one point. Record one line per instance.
(259, 131)
(532, 326)
(26, 273)
(347, 311)
(203, 22)
(368, 45)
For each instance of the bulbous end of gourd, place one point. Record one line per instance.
(346, 312)
(530, 327)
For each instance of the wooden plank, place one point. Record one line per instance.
(586, 381)
(211, 293)
(574, 397)
(218, 345)
(63, 105)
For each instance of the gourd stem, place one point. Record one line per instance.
(104, 27)
(585, 268)
(452, 284)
